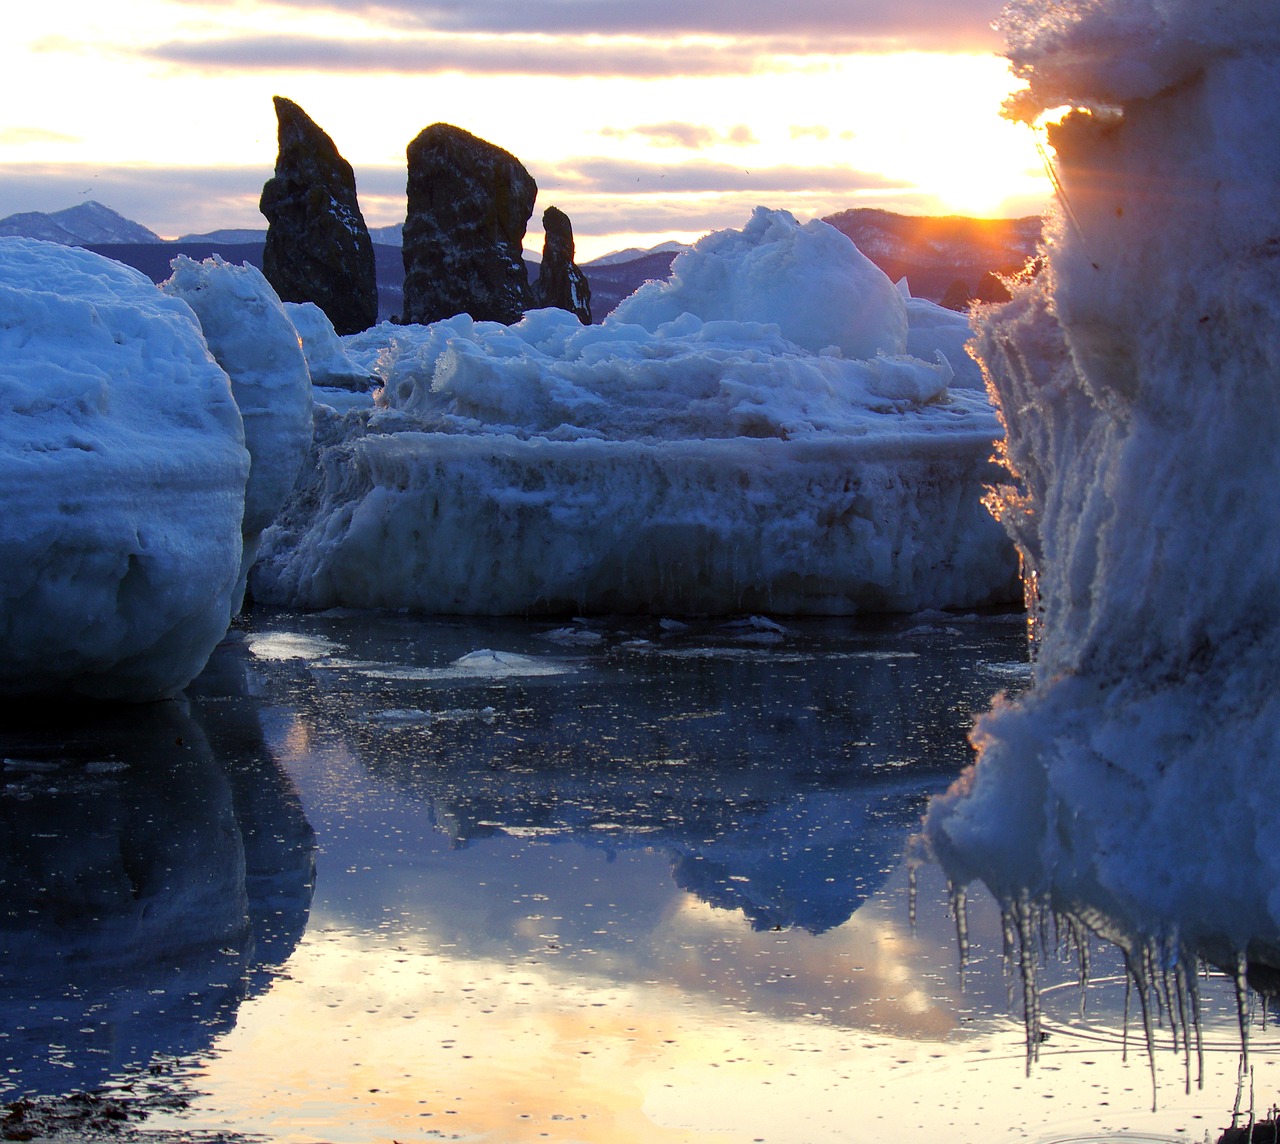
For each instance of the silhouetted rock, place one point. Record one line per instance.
(560, 282)
(957, 296)
(318, 247)
(469, 204)
(991, 288)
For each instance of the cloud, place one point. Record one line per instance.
(815, 131)
(691, 136)
(956, 25)
(628, 177)
(18, 136)
(485, 55)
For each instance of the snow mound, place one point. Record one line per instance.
(1138, 382)
(122, 473)
(809, 280)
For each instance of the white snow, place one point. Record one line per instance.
(122, 475)
(1138, 377)
(809, 280)
(327, 359)
(704, 463)
(252, 338)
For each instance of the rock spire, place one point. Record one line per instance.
(469, 204)
(318, 247)
(560, 282)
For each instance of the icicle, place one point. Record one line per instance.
(960, 911)
(1193, 995)
(1242, 1007)
(913, 894)
(1128, 996)
(1030, 987)
(1081, 938)
(1007, 943)
(1140, 970)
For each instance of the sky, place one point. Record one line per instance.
(644, 120)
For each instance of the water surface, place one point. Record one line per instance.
(385, 878)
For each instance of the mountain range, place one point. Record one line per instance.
(933, 253)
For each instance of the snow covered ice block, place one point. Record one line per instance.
(327, 360)
(1140, 381)
(475, 525)
(708, 468)
(705, 465)
(122, 475)
(253, 340)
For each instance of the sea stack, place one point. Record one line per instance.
(469, 204)
(561, 283)
(318, 247)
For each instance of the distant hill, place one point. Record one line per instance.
(631, 253)
(932, 252)
(612, 281)
(76, 226)
(243, 236)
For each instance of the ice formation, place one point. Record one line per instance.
(719, 461)
(252, 338)
(1137, 375)
(122, 474)
(809, 280)
(327, 359)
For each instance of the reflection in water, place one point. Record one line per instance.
(612, 882)
(779, 770)
(154, 867)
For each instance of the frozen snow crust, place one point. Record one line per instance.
(704, 462)
(1139, 380)
(122, 475)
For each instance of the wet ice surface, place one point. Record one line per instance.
(605, 881)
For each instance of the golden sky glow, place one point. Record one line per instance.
(162, 108)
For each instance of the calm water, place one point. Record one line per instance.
(385, 878)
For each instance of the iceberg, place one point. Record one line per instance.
(1132, 787)
(711, 448)
(122, 473)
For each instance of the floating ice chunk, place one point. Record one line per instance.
(705, 463)
(573, 637)
(291, 645)
(122, 475)
(483, 665)
(809, 280)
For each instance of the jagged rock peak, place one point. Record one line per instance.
(318, 247)
(560, 281)
(469, 205)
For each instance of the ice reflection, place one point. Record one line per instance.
(779, 777)
(155, 868)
